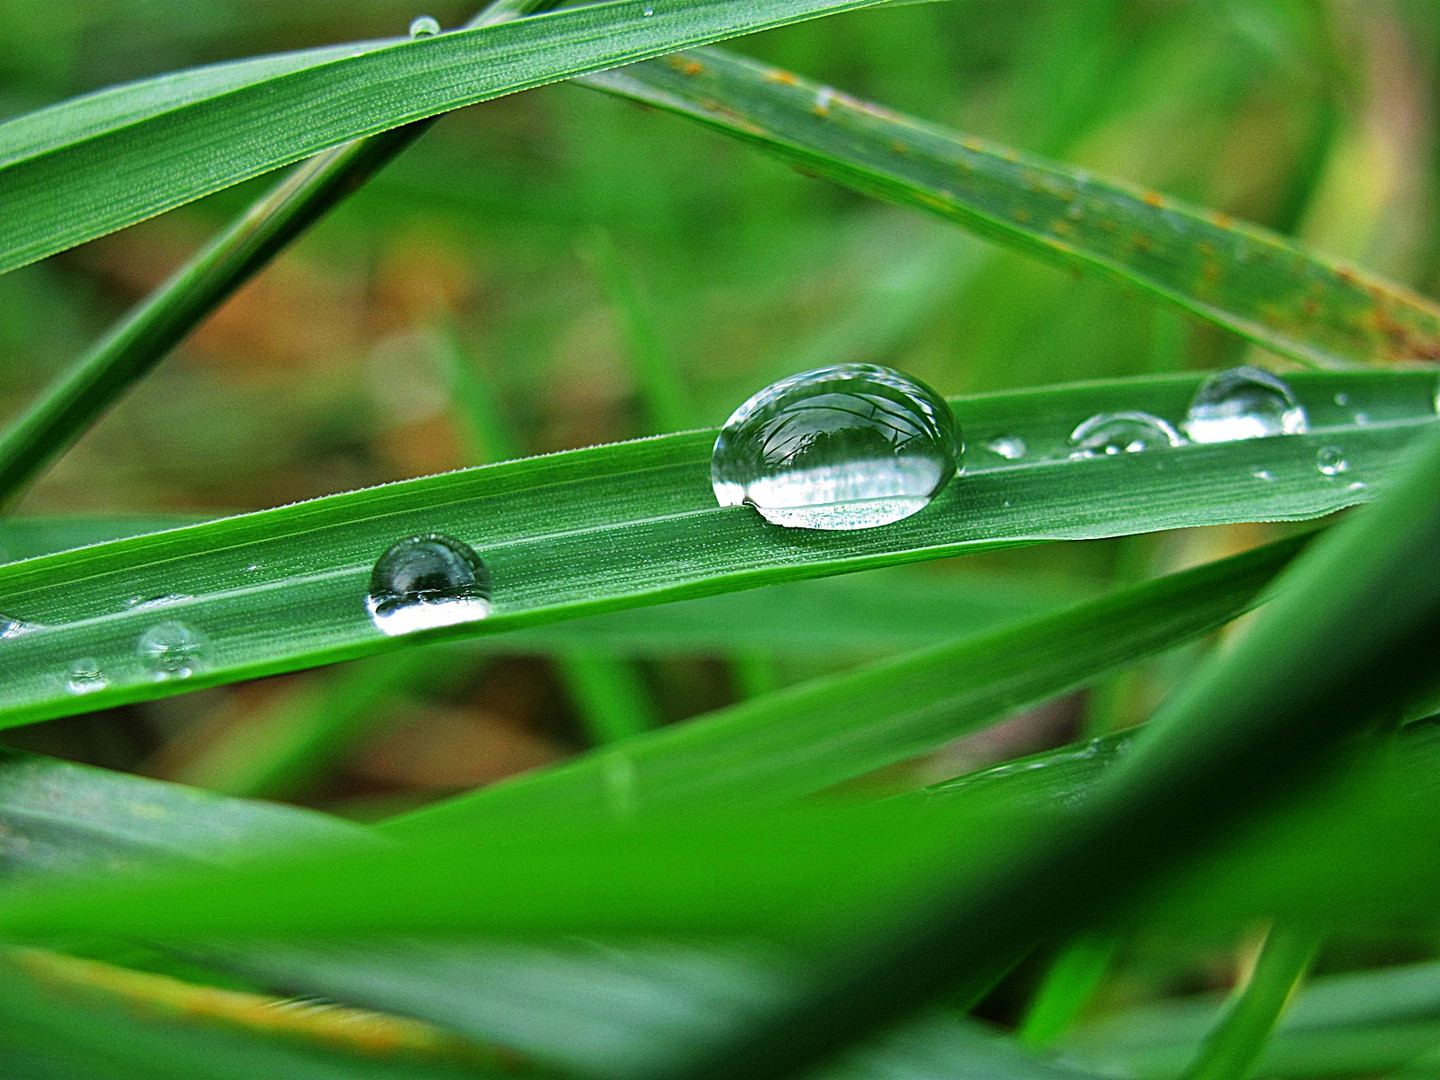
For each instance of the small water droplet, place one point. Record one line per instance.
(1356, 485)
(647, 12)
(1342, 399)
(171, 650)
(1330, 460)
(1122, 433)
(12, 627)
(84, 676)
(1243, 403)
(851, 446)
(140, 602)
(427, 581)
(1263, 474)
(1361, 419)
(424, 26)
(1010, 447)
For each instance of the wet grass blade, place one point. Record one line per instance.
(86, 167)
(1245, 278)
(1253, 723)
(787, 744)
(610, 527)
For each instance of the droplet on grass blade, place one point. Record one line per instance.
(1010, 447)
(12, 627)
(1125, 432)
(424, 26)
(1243, 403)
(1330, 461)
(84, 676)
(171, 650)
(851, 446)
(423, 582)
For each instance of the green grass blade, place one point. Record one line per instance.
(1251, 724)
(132, 348)
(67, 1019)
(87, 167)
(1245, 278)
(793, 742)
(1231, 1050)
(617, 526)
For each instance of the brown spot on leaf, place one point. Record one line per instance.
(1221, 219)
(776, 75)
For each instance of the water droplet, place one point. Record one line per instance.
(139, 602)
(1361, 419)
(84, 676)
(1122, 433)
(171, 650)
(1263, 474)
(850, 446)
(12, 627)
(1331, 461)
(424, 26)
(1342, 399)
(1356, 485)
(427, 581)
(647, 12)
(1010, 447)
(1242, 403)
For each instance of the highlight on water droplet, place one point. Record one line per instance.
(423, 582)
(1125, 432)
(647, 12)
(84, 676)
(1263, 474)
(1010, 447)
(1330, 460)
(424, 26)
(1243, 403)
(850, 446)
(12, 627)
(171, 650)
(157, 601)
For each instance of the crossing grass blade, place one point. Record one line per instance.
(609, 527)
(1245, 278)
(89, 166)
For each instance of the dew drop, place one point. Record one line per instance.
(1342, 399)
(140, 602)
(1331, 461)
(11, 627)
(1361, 419)
(84, 676)
(1263, 474)
(427, 581)
(171, 650)
(1122, 433)
(1242, 403)
(647, 12)
(1010, 447)
(424, 26)
(851, 446)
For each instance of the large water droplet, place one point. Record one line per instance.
(1243, 403)
(1330, 460)
(427, 581)
(424, 26)
(1122, 433)
(850, 446)
(1010, 447)
(171, 650)
(84, 676)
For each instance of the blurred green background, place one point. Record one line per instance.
(598, 272)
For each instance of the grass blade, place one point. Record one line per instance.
(775, 748)
(616, 526)
(1240, 276)
(87, 167)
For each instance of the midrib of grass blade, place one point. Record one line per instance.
(610, 527)
(1240, 276)
(83, 168)
(132, 348)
